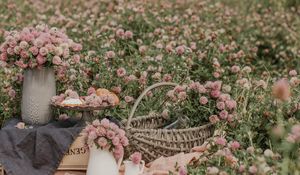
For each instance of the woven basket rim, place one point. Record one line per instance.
(205, 126)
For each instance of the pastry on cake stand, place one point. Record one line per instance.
(100, 99)
(80, 106)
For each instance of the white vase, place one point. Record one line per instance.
(102, 162)
(134, 169)
(38, 89)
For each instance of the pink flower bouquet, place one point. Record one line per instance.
(106, 135)
(39, 46)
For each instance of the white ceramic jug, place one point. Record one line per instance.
(134, 169)
(102, 162)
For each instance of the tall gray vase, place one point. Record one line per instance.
(38, 88)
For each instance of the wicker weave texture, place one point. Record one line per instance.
(146, 137)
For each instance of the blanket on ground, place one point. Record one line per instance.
(37, 150)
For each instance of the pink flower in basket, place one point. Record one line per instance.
(136, 158)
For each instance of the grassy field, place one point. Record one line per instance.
(251, 49)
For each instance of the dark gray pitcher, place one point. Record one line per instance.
(38, 89)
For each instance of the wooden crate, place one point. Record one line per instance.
(76, 157)
(1, 170)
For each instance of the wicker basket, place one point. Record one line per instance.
(145, 136)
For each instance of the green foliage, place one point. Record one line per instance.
(262, 38)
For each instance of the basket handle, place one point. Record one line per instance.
(141, 97)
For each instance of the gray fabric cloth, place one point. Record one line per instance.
(36, 151)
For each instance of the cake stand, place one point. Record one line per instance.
(84, 109)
